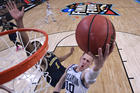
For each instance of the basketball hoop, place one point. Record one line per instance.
(20, 67)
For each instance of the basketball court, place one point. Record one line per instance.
(121, 71)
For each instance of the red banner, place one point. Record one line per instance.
(27, 1)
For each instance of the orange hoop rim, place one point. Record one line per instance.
(16, 70)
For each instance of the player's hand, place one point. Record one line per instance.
(72, 49)
(15, 13)
(100, 58)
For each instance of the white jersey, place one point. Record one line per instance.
(73, 82)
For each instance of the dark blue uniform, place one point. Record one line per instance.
(10, 26)
(55, 69)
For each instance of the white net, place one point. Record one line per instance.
(34, 79)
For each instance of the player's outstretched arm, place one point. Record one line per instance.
(15, 13)
(62, 58)
(18, 16)
(100, 59)
(91, 75)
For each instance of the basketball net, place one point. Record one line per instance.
(33, 80)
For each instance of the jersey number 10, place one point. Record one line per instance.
(69, 87)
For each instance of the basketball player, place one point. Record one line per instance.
(49, 13)
(55, 68)
(78, 78)
(9, 26)
(52, 64)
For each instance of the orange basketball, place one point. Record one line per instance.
(94, 32)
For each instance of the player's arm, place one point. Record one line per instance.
(89, 77)
(59, 85)
(62, 58)
(18, 16)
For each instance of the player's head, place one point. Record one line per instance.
(36, 44)
(85, 61)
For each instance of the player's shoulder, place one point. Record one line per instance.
(71, 67)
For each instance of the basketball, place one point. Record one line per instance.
(94, 32)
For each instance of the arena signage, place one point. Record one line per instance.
(89, 8)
